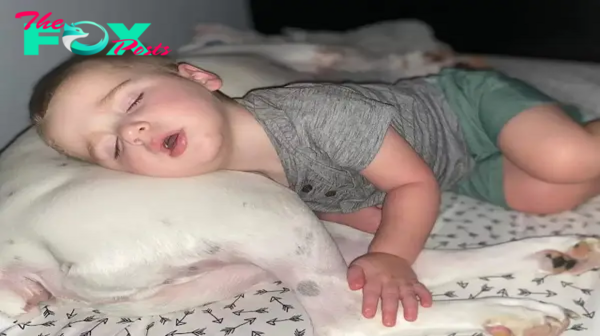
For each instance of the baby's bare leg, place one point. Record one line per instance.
(547, 144)
(551, 163)
(530, 195)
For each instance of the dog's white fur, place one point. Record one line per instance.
(133, 245)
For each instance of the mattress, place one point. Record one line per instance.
(271, 309)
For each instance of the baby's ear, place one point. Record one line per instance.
(210, 80)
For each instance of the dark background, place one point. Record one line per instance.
(557, 29)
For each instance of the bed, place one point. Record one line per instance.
(271, 309)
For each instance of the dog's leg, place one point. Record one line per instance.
(554, 255)
(573, 254)
(176, 294)
(437, 267)
(316, 270)
(21, 288)
(497, 316)
(20, 295)
(313, 267)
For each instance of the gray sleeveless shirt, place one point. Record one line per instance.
(325, 134)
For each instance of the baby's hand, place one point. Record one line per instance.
(386, 276)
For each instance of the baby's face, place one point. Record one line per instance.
(141, 121)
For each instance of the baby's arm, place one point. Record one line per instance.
(412, 202)
(409, 212)
(366, 219)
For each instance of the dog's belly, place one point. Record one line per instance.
(183, 289)
(170, 286)
(183, 284)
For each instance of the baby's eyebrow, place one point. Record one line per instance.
(112, 93)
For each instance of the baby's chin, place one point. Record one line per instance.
(187, 165)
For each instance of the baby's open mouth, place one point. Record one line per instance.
(175, 144)
(170, 142)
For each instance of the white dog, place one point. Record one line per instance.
(130, 245)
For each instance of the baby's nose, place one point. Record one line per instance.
(137, 132)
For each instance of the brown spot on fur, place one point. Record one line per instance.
(308, 288)
(580, 250)
(570, 264)
(558, 262)
(213, 249)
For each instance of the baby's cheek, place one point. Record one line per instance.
(138, 163)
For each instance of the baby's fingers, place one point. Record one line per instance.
(355, 277)
(371, 295)
(409, 302)
(390, 296)
(424, 295)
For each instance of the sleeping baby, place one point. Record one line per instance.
(372, 156)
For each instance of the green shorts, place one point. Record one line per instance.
(484, 101)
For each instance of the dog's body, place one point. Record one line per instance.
(212, 237)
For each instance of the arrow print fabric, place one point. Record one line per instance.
(272, 310)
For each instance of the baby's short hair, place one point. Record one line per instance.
(47, 86)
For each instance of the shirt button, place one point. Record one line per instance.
(307, 188)
(330, 193)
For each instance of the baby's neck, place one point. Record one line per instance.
(250, 148)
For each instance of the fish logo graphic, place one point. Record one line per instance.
(72, 33)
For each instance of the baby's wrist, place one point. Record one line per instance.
(393, 252)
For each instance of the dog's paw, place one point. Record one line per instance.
(17, 307)
(579, 258)
(529, 318)
(550, 327)
(12, 305)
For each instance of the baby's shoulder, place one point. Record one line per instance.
(298, 91)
